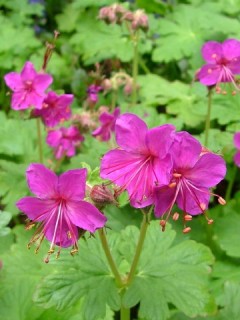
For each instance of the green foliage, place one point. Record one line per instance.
(173, 279)
(227, 229)
(167, 274)
(86, 276)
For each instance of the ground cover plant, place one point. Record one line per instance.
(119, 160)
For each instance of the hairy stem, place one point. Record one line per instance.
(208, 117)
(39, 137)
(109, 257)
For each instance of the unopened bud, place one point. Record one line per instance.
(186, 230)
(106, 84)
(102, 196)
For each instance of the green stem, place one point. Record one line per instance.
(109, 257)
(39, 136)
(142, 235)
(124, 313)
(231, 183)
(135, 68)
(144, 66)
(207, 124)
(114, 100)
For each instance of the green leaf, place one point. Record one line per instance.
(167, 274)
(227, 229)
(176, 95)
(12, 184)
(183, 32)
(231, 306)
(86, 276)
(21, 272)
(5, 218)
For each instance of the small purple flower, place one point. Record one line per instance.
(56, 109)
(193, 173)
(108, 125)
(236, 140)
(28, 87)
(223, 63)
(59, 207)
(64, 141)
(142, 159)
(92, 92)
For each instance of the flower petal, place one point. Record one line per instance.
(54, 137)
(28, 72)
(193, 201)
(231, 49)
(163, 199)
(36, 209)
(160, 139)
(131, 133)
(236, 159)
(84, 215)
(61, 232)
(42, 82)
(209, 74)
(236, 140)
(185, 150)
(211, 51)
(209, 170)
(42, 181)
(72, 184)
(13, 81)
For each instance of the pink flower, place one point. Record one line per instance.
(142, 159)
(223, 63)
(108, 125)
(92, 92)
(28, 87)
(59, 207)
(236, 140)
(193, 173)
(56, 108)
(64, 141)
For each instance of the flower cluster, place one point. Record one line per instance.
(103, 133)
(117, 14)
(64, 141)
(29, 91)
(59, 208)
(162, 167)
(223, 63)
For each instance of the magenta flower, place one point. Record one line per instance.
(194, 172)
(59, 207)
(92, 92)
(223, 63)
(236, 140)
(142, 159)
(108, 125)
(56, 108)
(28, 87)
(64, 141)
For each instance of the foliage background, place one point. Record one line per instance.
(82, 288)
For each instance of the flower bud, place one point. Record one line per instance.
(102, 196)
(106, 85)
